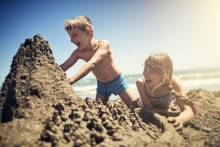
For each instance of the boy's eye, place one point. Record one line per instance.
(74, 35)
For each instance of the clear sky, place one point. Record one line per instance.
(188, 30)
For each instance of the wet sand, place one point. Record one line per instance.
(38, 108)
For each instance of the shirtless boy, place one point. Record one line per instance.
(98, 58)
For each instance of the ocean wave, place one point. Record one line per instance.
(85, 88)
(201, 76)
(183, 76)
(195, 83)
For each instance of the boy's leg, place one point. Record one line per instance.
(101, 93)
(103, 98)
(128, 97)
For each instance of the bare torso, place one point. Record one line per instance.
(105, 70)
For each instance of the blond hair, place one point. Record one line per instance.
(162, 64)
(80, 22)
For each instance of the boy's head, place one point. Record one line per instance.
(158, 70)
(80, 30)
(81, 22)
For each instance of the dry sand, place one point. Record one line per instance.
(38, 108)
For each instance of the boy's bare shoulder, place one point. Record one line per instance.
(104, 44)
(104, 41)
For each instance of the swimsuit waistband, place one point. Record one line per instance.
(117, 78)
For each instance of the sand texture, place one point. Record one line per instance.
(39, 108)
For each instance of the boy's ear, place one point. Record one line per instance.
(89, 31)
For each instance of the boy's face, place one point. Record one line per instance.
(79, 38)
(152, 78)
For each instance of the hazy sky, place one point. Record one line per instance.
(188, 30)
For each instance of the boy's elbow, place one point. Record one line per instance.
(106, 45)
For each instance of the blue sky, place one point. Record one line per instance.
(188, 30)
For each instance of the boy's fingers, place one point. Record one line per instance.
(69, 81)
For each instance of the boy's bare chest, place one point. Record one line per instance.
(86, 56)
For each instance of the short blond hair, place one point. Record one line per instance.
(80, 22)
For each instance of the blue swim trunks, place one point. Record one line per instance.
(116, 87)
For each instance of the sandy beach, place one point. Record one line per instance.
(39, 108)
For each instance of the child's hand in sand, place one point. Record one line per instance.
(68, 80)
(177, 122)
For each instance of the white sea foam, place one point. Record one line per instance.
(85, 88)
(195, 83)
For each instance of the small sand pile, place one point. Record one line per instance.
(38, 108)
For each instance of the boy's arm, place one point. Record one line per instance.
(70, 61)
(100, 54)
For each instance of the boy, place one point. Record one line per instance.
(98, 57)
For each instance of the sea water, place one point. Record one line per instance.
(191, 79)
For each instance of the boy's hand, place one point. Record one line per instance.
(68, 80)
(177, 122)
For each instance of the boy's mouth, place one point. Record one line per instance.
(78, 44)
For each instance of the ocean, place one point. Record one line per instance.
(191, 79)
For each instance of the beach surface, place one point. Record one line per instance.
(39, 108)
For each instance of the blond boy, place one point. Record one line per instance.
(99, 59)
